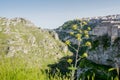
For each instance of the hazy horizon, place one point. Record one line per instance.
(52, 14)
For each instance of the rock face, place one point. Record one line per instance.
(110, 29)
(54, 34)
(106, 57)
(21, 38)
(109, 25)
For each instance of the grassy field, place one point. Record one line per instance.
(17, 69)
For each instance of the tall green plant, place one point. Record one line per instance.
(81, 34)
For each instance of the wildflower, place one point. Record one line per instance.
(88, 44)
(67, 42)
(85, 32)
(71, 33)
(87, 36)
(80, 31)
(84, 23)
(79, 38)
(84, 55)
(69, 60)
(89, 28)
(78, 35)
(74, 27)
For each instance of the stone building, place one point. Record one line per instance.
(111, 30)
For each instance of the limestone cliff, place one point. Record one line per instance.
(21, 38)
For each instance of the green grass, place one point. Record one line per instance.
(17, 69)
(32, 48)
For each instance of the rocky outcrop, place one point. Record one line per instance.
(21, 38)
(106, 57)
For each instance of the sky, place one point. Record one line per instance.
(53, 13)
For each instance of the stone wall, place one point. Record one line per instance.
(113, 31)
(99, 31)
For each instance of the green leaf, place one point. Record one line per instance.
(111, 69)
(116, 78)
(72, 68)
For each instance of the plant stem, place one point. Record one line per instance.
(73, 73)
(76, 56)
(76, 60)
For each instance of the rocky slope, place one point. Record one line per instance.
(21, 38)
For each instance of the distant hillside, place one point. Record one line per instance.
(21, 38)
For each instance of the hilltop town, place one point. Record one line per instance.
(106, 25)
